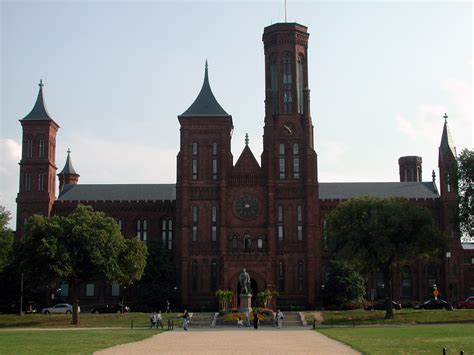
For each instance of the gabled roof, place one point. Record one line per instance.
(39, 111)
(68, 168)
(118, 192)
(347, 190)
(447, 143)
(205, 104)
(247, 162)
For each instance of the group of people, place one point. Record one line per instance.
(156, 320)
(278, 319)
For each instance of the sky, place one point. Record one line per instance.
(117, 73)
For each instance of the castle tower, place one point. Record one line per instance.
(204, 163)
(288, 159)
(68, 175)
(37, 166)
(410, 168)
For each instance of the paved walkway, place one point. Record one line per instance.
(238, 341)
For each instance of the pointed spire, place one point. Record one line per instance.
(433, 175)
(447, 143)
(39, 111)
(68, 168)
(205, 104)
(246, 139)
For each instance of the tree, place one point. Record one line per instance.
(378, 234)
(224, 297)
(344, 286)
(264, 297)
(466, 191)
(6, 239)
(78, 248)
(159, 278)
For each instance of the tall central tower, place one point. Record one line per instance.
(289, 160)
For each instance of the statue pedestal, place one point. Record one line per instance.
(245, 303)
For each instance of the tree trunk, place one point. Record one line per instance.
(75, 302)
(387, 277)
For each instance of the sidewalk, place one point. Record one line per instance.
(240, 341)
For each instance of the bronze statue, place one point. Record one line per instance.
(244, 279)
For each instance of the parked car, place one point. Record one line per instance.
(468, 303)
(14, 307)
(380, 305)
(434, 304)
(59, 308)
(111, 308)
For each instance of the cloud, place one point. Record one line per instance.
(10, 154)
(425, 124)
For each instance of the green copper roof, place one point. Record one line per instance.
(68, 168)
(39, 111)
(205, 104)
(447, 143)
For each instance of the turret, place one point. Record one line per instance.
(410, 168)
(68, 175)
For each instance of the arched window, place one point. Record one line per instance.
(287, 83)
(214, 276)
(247, 243)
(41, 148)
(280, 277)
(29, 148)
(300, 275)
(300, 83)
(194, 273)
(280, 222)
(406, 281)
(167, 233)
(299, 222)
(195, 161)
(260, 243)
(214, 161)
(214, 223)
(296, 161)
(41, 181)
(274, 83)
(195, 223)
(235, 245)
(27, 182)
(142, 229)
(120, 224)
(282, 161)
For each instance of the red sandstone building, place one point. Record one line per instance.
(221, 216)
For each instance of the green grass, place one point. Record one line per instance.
(85, 319)
(428, 339)
(404, 316)
(66, 342)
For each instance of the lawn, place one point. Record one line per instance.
(404, 316)
(422, 339)
(86, 320)
(67, 341)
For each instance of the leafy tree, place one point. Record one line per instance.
(159, 278)
(344, 286)
(264, 297)
(79, 247)
(6, 239)
(224, 297)
(466, 191)
(379, 234)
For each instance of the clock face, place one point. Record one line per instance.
(287, 129)
(246, 206)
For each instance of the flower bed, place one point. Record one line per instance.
(230, 316)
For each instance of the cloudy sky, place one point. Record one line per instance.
(117, 73)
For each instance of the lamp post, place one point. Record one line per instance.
(448, 256)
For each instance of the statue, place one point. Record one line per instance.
(244, 279)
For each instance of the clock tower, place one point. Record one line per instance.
(290, 163)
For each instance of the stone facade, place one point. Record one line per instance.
(220, 217)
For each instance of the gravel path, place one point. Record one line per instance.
(238, 341)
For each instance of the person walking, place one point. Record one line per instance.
(153, 320)
(255, 319)
(280, 318)
(185, 319)
(168, 306)
(247, 318)
(159, 320)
